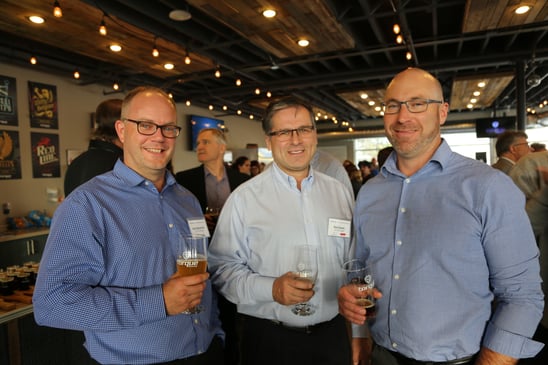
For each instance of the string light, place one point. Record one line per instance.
(103, 27)
(187, 103)
(76, 74)
(57, 12)
(218, 72)
(408, 56)
(238, 82)
(115, 86)
(33, 60)
(396, 28)
(257, 91)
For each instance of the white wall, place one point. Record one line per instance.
(75, 104)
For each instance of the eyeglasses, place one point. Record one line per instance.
(149, 128)
(286, 134)
(414, 105)
(521, 144)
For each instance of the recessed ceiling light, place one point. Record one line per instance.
(522, 9)
(269, 13)
(179, 15)
(36, 19)
(115, 47)
(303, 42)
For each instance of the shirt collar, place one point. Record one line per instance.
(290, 180)
(132, 178)
(440, 159)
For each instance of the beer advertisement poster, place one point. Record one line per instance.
(43, 106)
(10, 155)
(8, 101)
(45, 155)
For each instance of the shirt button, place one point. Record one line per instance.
(196, 321)
(170, 225)
(398, 242)
(394, 345)
(396, 276)
(407, 181)
(146, 183)
(402, 210)
(393, 311)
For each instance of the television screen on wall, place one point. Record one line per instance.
(492, 127)
(197, 123)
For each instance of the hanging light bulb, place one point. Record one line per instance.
(238, 82)
(57, 12)
(76, 74)
(187, 103)
(399, 39)
(187, 58)
(218, 72)
(408, 56)
(115, 86)
(155, 52)
(33, 60)
(268, 94)
(396, 28)
(103, 27)
(257, 91)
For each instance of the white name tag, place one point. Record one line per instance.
(198, 227)
(339, 227)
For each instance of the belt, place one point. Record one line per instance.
(301, 329)
(403, 360)
(305, 329)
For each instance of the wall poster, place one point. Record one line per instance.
(8, 101)
(43, 106)
(10, 155)
(45, 155)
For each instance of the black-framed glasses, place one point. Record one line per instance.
(418, 105)
(148, 128)
(286, 134)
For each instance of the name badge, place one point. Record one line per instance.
(198, 227)
(339, 227)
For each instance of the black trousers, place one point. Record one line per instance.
(267, 343)
(213, 356)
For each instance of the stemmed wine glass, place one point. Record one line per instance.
(307, 269)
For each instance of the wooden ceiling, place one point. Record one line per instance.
(352, 49)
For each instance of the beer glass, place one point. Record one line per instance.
(307, 269)
(359, 275)
(192, 260)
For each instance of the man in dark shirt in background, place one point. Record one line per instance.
(104, 147)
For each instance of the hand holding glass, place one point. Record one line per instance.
(359, 275)
(192, 260)
(307, 269)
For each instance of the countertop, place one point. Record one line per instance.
(22, 233)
